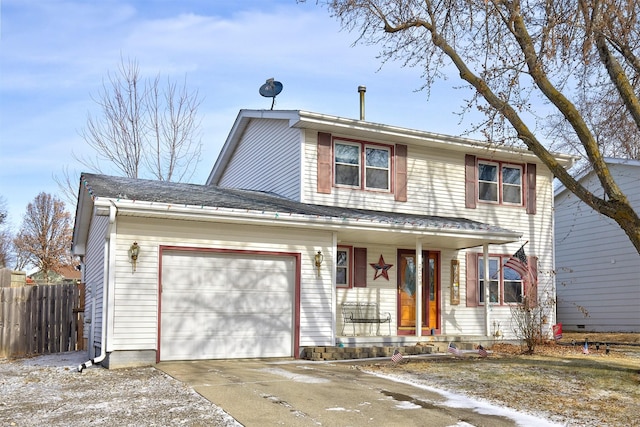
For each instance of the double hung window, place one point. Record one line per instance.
(505, 284)
(500, 183)
(361, 165)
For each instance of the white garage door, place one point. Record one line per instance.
(226, 305)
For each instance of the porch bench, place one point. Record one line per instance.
(364, 312)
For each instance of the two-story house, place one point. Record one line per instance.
(301, 213)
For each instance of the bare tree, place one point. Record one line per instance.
(5, 236)
(513, 55)
(44, 238)
(6, 248)
(144, 129)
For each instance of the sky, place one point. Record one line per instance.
(55, 54)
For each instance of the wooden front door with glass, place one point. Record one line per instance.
(408, 292)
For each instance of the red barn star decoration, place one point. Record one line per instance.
(381, 268)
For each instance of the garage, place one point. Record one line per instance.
(226, 304)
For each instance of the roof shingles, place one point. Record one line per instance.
(112, 187)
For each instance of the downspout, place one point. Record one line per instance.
(105, 292)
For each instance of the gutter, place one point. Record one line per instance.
(324, 223)
(105, 292)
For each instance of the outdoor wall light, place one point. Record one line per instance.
(134, 251)
(318, 259)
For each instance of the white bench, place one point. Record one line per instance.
(363, 313)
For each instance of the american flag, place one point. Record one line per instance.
(518, 262)
(397, 356)
(453, 349)
(585, 348)
(482, 352)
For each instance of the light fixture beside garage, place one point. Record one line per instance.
(319, 258)
(134, 251)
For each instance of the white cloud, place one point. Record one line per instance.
(55, 54)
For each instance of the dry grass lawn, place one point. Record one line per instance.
(558, 381)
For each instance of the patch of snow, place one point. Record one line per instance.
(407, 405)
(308, 379)
(455, 400)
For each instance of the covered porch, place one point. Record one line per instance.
(415, 275)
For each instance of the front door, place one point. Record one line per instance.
(408, 292)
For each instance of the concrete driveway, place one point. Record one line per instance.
(302, 393)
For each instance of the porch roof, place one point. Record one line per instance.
(139, 197)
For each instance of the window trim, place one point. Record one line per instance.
(500, 182)
(376, 168)
(336, 164)
(501, 281)
(350, 265)
(362, 165)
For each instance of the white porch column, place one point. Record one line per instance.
(487, 286)
(419, 275)
(334, 296)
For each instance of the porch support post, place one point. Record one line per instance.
(487, 286)
(419, 275)
(334, 296)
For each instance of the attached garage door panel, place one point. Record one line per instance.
(223, 305)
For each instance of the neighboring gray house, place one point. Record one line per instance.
(597, 267)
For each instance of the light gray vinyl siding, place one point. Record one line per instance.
(598, 269)
(95, 279)
(136, 294)
(266, 159)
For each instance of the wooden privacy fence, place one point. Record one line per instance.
(41, 319)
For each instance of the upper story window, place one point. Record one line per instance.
(361, 165)
(347, 164)
(377, 166)
(354, 164)
(500, 183)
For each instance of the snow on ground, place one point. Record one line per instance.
(455, 400)
(49, 390)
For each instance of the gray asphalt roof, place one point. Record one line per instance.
(104, 186)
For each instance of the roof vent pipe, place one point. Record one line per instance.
(362, 90)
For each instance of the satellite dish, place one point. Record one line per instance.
(270, 90)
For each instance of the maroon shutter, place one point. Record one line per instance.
(324, 163)
(401, 173)
(531, 188)
(359, 267)
(532, 288)
(470, 181)
(472, 280)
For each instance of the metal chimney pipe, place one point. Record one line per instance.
(362, 90)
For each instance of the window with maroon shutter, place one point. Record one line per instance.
(506, 287)
(500, 183)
